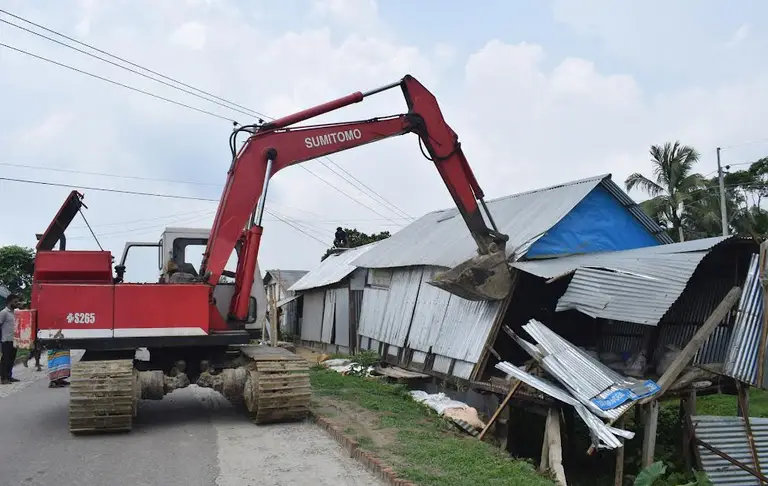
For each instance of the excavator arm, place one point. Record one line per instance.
(278, 144)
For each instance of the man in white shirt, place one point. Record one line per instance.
(7, 329)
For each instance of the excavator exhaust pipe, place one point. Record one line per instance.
(484, 277)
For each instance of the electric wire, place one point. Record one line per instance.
(140, 193)
(117, 83)
(127, 61)
(239, 108)
(80, 210)
(248, 113)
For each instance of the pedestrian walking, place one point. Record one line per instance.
(7, 329)
(59, 367)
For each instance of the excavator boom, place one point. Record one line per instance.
(278, 144)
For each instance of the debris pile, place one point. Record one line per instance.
(347, 367)
(460, 413)
(597, 392)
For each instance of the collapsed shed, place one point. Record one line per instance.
(332, 296)
(414, 324)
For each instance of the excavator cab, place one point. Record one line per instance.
(179, 252)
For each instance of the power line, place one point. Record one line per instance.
(139, 193)
(175, 181)
(128, 62)
(250, 114)
(117, 83)
(103, 189)
(344, 193)
(741, 144)
(395, 208)
(144, 220)
(104, 174)
(186, 106)
(382, 200)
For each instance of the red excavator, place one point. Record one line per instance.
(191, 334)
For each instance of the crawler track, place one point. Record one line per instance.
(103, 396)
(277, 387)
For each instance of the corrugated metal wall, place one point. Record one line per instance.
(414, 315)
(312, 323)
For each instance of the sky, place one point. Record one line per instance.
(539, 92)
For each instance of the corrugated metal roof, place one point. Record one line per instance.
(555, 267)
(729, 435)
(743, 350)
(331, 270)
(287, 277)
(441, 239)
(633, 285)
(607, 436)
(584, 377)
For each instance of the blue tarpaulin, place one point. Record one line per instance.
(598, 223)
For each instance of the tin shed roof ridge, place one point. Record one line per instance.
(439, 238)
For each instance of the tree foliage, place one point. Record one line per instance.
(745, 191)
(357, 238)
(16, 266)
(673, 185)
(685, 202)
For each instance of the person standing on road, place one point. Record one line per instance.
(7, 329)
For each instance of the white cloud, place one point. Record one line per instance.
(739, 36)
(190, 35)
(359, 13)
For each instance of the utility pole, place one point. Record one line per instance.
(723, 214)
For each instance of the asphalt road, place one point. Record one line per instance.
(191, 437)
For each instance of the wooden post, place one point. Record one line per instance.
(698, 339)
(743, 397)
(764, 330)
(649, 431)
(552, 449)
(502, 405)
(618, 477)
(275, 319)
(690, 410)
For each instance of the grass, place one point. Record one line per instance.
(418, 444)
(727, 405)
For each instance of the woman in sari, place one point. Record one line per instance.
(59, 367)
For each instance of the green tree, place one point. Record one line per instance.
(672, 186)
(358, 238)
(16, 266)
(749, 218)
(702, 217)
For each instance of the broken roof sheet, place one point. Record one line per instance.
(729, 435)
(633, 285)
(440, 238)
(331, 270)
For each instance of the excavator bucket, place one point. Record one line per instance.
(484, 277)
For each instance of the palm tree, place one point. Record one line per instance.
(673, 186)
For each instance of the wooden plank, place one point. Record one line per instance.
(744, 409)
(502, 405)
(698, 339)
(399, 373)
(553, 446)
